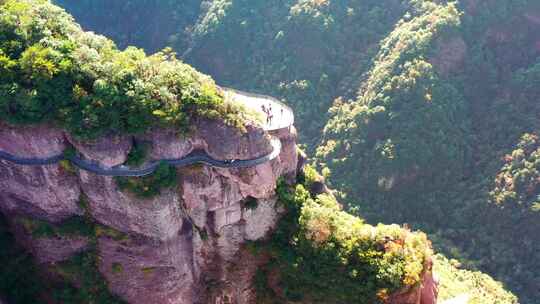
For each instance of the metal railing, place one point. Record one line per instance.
(191, 159)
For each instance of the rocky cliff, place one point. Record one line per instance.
(185, 245)
(178, 244)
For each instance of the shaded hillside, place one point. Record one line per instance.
(149, 24)
(434, 154)
(307, 52)
(444, 92)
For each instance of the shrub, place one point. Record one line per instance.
(480, 288)
(53, 71)
(74, 226)
(325, 254)
(517, 185)
(82, 269)
(117, 268)
(149, 186)
(250, 203)
(138, 153)
(21, 281)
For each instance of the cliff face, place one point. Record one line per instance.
(178, 244)
(183, 246)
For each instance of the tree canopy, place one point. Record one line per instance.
(54, 71)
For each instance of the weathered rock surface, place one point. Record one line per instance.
(223, 142)
(108, 151)
(45, 192)
(168, 144)
(47, 249)
(143, 270)
(261, 220)
(178, 243)
(159, 217)
(184, 246)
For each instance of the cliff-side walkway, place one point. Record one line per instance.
(277, 115)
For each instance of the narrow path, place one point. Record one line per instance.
(282, 117)
(191, 159)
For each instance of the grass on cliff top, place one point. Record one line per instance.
(479, 287)
(51, 70)
(324, 254)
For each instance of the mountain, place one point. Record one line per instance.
(266, 234)
(134, 178)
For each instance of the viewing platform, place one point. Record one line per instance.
(281, 115)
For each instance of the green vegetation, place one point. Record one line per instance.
(67, 166)
(151, 185)
(253, 45)
(19, 277)
(75, 226)
(117, 268)
(408, 125)
(53, 71)
(326, 255)
(138, 153)
(148, 270)
(77, 280)
(518, 182)
(430, 102)
(92, 287)
(479, 287)
(151, 24)
(22, 283)
(104, 231)
(433, 96)
(250, 203)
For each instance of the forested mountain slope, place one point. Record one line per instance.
(267, 233)
(308, 52)
(444, 103)
(150, 24)
(438, 121)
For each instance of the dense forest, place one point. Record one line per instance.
(416, 111)
(153, 24)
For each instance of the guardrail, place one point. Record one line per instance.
(31, 161)
(191, 159)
